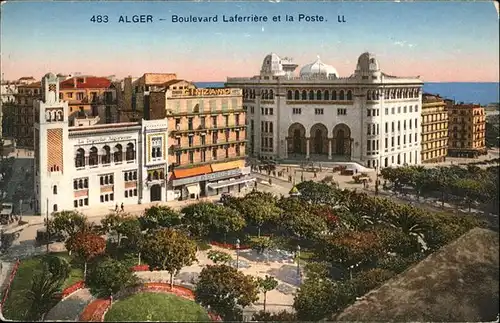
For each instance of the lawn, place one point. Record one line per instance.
(147, 306)
(17, 304)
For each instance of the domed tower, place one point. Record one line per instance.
(368, 68)
(273, 65)
(318, 68)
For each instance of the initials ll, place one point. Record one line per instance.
(341, 18)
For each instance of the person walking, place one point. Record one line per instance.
(116, 207)
(122, 207)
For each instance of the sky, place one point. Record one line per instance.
(440, 41)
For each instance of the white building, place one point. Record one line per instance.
(95, 166)
(369, 117)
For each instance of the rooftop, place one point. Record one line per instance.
(458, 283)
(85, 82)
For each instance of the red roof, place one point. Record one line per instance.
(89, 82)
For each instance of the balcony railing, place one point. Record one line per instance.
(177, 147)
(204, 128)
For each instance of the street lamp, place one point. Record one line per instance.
(298, 263)
(237, 253)
(351, 268)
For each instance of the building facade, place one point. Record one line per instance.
(18, 114)
(94, 165)
(207, 137)
(369, 117)
(466, 130)
(434, 129)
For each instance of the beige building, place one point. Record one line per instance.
(466, 130)
(434, 129)
(207, 137)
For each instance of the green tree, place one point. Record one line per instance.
(130, 229)
(368, 280)
(258, 212)
(59, 267)
(160, 217)
(225, 289)
(219, 256)
(409, 219)
(110, 276)
(168, 249)
(44, 287)
(266, 284)
(317, 193)
(297, 219)
(68, 223)
(86, 246)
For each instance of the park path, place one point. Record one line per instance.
(70, 308)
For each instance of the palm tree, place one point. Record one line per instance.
(43, 289)
(407, 219)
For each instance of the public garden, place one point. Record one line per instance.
(316, 252)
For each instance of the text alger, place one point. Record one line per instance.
(136, 19)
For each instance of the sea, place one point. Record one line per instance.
(467, 92)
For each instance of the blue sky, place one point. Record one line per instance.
(442, 41)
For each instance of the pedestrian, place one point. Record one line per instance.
(123, 208)
(116, 207)
(315, 175)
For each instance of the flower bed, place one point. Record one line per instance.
(140, 268)
(229, 245)
(73, 288)
(95, 311)
(11, 278)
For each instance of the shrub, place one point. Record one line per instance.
(110, 276)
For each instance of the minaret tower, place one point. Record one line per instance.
(51, 165)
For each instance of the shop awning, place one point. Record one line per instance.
(193, 189)
(229, 165)
(215, 186)
(195, 171)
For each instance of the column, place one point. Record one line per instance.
(285, 151)
(329, 148)
(307, 147)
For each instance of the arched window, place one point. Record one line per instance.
(106, 157)
(162, 175)
(75, 184)
(318, 95)
(102, 180)
(289, 95)
(86, 183)
(334, 95)
(54, 190)
(271, 95)
(341, 95)
(59, 115)
(369, 95)
(130, 153)
(54, 207)
(80, 184)
(297, 95)
(349, 95)
(80, 158)
(304, 95)
(118, 153)
(327, 95)
(106, 179)
(126, 176)
(158, 152)
(153, 153)
(311, 95)
(156, 175)
(93, 157)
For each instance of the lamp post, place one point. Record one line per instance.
(351, 268)
(298, 263)
(237, 253)
(48, 229)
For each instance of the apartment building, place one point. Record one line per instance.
(466, 130)
(207, 137)
(17, 119)
(91, 99)
(434, 129)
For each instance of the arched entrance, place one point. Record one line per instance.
(155, 192)
(342, 141)
(296, 139)
(319, 139)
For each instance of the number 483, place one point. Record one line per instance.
(99, 19)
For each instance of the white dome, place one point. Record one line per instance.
(318, 67)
